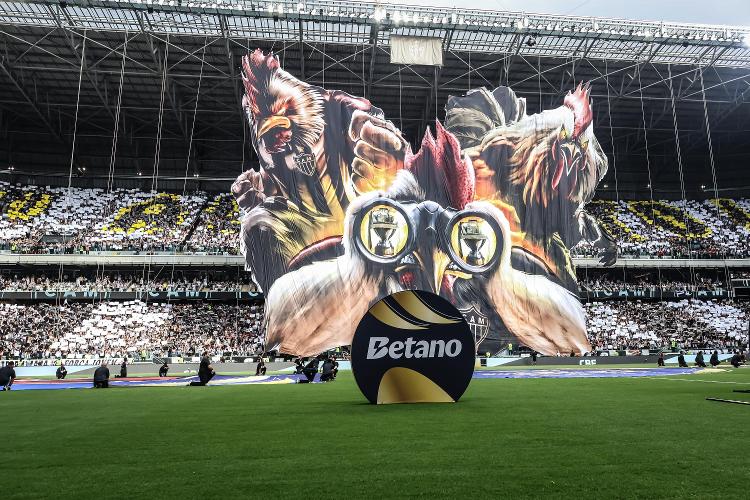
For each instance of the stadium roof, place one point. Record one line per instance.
(652, 73)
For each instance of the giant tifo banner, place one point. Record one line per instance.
(343, 213)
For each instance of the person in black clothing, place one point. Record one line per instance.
(310, 370)
(660, 361)
(534, 354)
(61, 372)
(7, 376)
(260, 368)
(699, 360)
(298, 366)
(335, 367)
(163, 370)
(205, 371)
(715, 359)
(736, 359)
(327, 371)
(681, 360)
(101, 377)
(124, 368)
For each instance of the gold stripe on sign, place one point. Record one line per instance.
(385, 314)
(404, 385)
(412, 304)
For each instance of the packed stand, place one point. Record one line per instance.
(134, 329)
(126, 281)
(674, 229)
(634, 324)
(608, 284)
(37, 219)
(218, 227)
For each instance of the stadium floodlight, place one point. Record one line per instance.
(379, 14)
(454, 18)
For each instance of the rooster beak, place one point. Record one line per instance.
(272, 122)
(440, 262)
(572, 152)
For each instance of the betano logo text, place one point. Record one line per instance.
(379, 348)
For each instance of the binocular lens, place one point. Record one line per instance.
(473, 241)
(384, 232)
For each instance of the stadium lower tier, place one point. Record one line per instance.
(36, 219)
(134, 329)
(142, 330)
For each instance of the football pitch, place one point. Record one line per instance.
(641, 437)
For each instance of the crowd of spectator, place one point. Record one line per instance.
(610, 284)
(37, 219)
(134, 329)
(674, 229)
(75, 220)
(690, 323)
(127, 281)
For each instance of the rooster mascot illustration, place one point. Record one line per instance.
(318, 150)
(541, 169)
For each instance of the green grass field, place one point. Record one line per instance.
(573, 438)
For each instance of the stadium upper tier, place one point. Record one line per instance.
(56, 220)
(60, 220)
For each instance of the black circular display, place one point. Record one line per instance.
(413, 347)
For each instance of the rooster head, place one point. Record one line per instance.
(550, 155)
(285, 114)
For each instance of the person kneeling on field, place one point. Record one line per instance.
(327, 372)
(260, 368)
(205, 371)
(715, 359)
(163, 370)
(681, 360)
(7, 376)
(310, 370)
(101, 377)
(660, 361)
(736, 359)
(699, 360)
(61, 372)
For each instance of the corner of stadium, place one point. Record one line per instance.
(366, 249)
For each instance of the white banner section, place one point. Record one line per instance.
(426, 51)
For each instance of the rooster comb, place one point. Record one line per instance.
(255, 66)
(580, 103)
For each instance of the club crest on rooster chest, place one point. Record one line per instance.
(305, 163)
(479, 323)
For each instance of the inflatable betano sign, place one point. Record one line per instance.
(413, 347)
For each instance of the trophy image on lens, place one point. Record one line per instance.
(471, 234)
(383, 224)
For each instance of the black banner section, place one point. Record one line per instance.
(413, 347)
(150, 296)
(654, 294)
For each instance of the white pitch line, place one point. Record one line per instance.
(697, 380)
